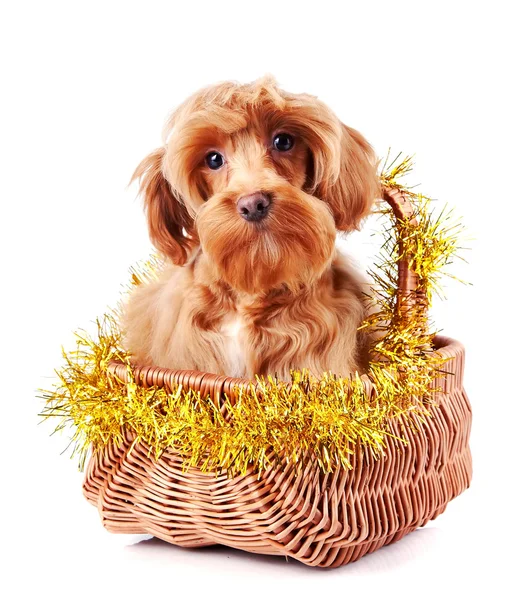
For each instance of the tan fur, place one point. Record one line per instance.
(241, 298)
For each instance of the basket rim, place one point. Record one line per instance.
(218, 386)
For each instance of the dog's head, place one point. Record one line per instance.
(261, 179)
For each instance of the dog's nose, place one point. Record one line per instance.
(254, 207)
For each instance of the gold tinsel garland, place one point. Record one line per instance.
(326, 417)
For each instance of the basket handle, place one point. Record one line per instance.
(407, 278)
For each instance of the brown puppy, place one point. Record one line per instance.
(245, 199)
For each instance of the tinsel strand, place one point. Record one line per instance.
(326, 417)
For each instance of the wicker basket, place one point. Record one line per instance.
(324, 520)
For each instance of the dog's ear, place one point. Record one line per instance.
(353, 187)
(171, 227)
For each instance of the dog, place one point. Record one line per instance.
(244, 201)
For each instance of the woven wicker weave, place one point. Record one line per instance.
(324, 520)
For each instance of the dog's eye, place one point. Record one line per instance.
(214, 160)
(283, 142)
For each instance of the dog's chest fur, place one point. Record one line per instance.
(274, 337)
(234, 352)
(240, 335)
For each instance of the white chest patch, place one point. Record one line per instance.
(231, 331)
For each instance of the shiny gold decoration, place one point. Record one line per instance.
(326, 417)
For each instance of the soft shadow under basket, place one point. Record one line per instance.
(321, 519)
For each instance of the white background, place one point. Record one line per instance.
(86, 88)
